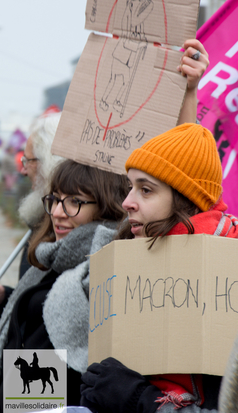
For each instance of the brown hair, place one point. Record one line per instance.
(182, 210)
(108, 189)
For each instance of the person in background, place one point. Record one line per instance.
(175, 188)
(49, 308)
(37, 164)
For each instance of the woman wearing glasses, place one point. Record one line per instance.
(49, 308)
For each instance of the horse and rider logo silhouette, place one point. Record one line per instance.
(33, 372)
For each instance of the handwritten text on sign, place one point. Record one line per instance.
(113, 139)
(154, 295)
(180, 297)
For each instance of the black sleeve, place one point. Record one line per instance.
(211, 387)
(147, 401)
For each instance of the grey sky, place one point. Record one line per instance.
(38, 40)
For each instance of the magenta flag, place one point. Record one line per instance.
(218, 93)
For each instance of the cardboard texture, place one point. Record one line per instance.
(171, 309)
(126, 88)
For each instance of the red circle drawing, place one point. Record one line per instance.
(152, 92)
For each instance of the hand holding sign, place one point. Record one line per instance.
(126, 85)
(105, 383)
(192, 68)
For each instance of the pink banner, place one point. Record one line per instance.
(218, 93)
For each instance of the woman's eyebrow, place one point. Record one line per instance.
(145, 180)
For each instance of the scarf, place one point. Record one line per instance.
(185, 389)
(66, 308)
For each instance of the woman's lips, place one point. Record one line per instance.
(60, 229)
(136, 227)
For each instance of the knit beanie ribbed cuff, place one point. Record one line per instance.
(203, 196)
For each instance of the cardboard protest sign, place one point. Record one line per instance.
(126, 88)
(218, 93)
(171, 309)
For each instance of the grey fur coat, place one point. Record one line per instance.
(66, 308)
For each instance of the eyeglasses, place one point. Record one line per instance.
(25, 160)
(71, 205)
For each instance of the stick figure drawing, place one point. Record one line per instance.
(127, 54)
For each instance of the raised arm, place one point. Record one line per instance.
(193, 70)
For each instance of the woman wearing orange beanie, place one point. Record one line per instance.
(175, 182)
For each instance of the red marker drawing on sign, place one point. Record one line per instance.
(104, 136)
(128, 76)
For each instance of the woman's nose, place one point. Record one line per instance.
(59, 211)
(130, 202)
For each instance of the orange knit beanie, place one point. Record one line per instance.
(185, 158)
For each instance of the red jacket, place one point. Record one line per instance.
(185, 389)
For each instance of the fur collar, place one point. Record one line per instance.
(71, 250)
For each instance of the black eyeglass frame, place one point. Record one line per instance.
(63, 206)
(25, 160)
